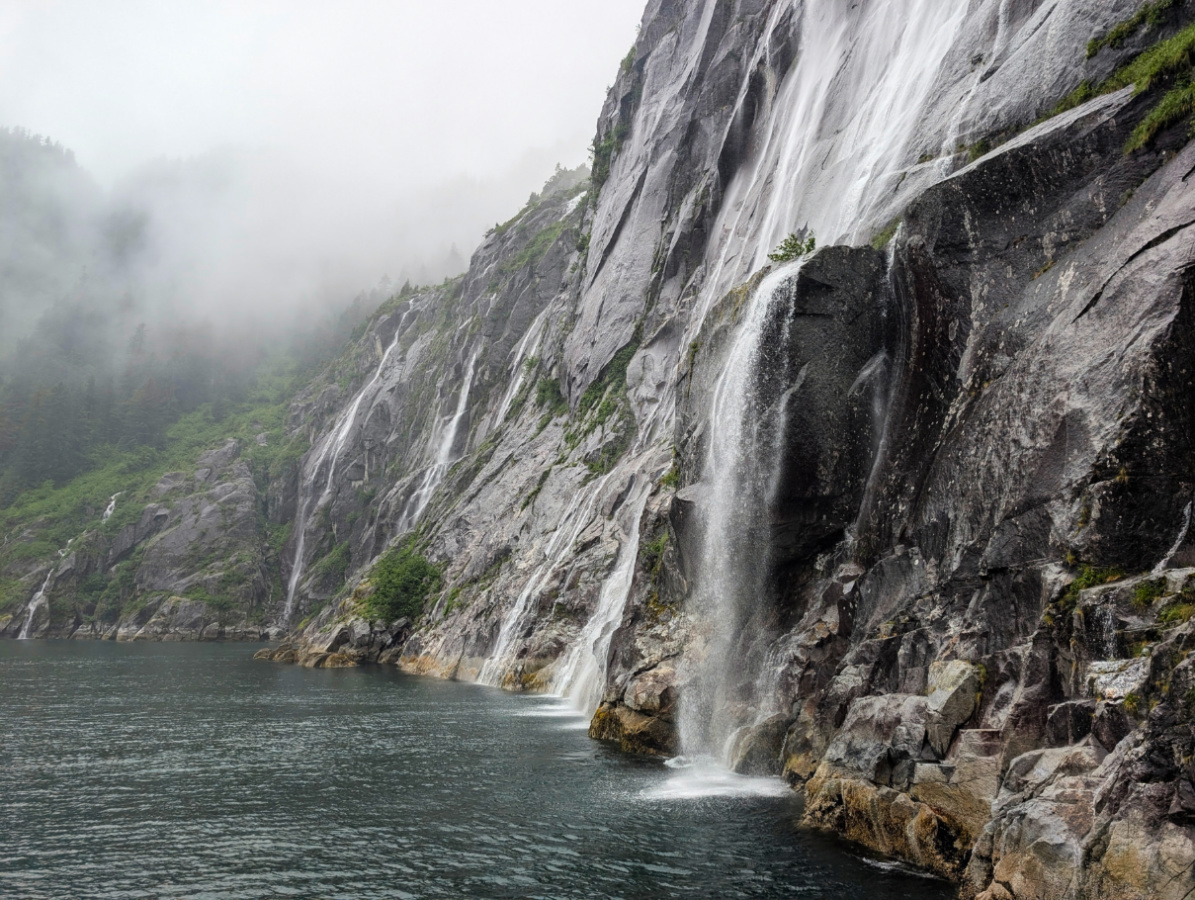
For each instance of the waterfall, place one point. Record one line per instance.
(39, 599)
(327, 453)
(576, 516)
(525, 349)
(747, 420)
(445, 456)
(838, 132)
(1178, 544)
(830, 156)
(111, 508)
(582, 676)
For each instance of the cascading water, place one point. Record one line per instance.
(832, 151)
(582, 676)
(111, 508)
(39, 599)
(327, 454)
(525, 349)
(576, 517)
(748, 418)
(1161, 567)
(839, 128)
(445, 456)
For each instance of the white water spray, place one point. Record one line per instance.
(747, 416)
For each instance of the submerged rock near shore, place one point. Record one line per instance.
(839, 424)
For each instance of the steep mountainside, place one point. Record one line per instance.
(900, 513)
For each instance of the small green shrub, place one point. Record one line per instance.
(671, 479)
(652, 554)
(403, 580)
(548, 395)
(628, 61)
(792, 247)
(604, 151)
(1132, 704)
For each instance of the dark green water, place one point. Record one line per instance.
(189, 770)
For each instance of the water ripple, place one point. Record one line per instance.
(190, 771)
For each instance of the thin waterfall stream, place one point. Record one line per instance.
(328, 453)
(38, 600)
(582, 676)
(576, 517)
(446, 455)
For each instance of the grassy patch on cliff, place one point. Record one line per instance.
(1153, 14)
(535, 249)
(1169, 63)
(1088, 577)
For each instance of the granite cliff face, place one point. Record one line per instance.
(903, 519)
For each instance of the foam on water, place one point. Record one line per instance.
(704, 777)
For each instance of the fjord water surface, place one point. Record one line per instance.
(189, 770)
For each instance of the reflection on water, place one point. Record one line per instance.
(191, 771)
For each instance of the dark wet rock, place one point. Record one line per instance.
(633, 731)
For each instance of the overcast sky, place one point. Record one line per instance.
(356, 123)
(395, 89)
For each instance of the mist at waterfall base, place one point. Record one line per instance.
(189, 771)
